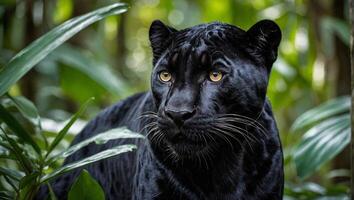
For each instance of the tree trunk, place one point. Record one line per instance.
(342, 81)
(28, 82)
(351, 8)
(337, 65)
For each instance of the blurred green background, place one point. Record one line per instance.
(112, 59)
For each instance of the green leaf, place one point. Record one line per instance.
(101, 138)
(73, 80)
(86, 188)
(309, 190)
(91, 159)
(14, 174)
(321, 112)
(27, 109)
(16, 127)
(97, 71)
(29, 179)
(321, 143)
(39, 49)
(51, 192)
(6, 195)
(66, 128)
(331, 27)
(14, 147)
(4, 150)
(11, 182)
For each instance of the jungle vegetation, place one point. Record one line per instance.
(62, 61)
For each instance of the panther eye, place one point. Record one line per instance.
(165, 76)
(215, 76)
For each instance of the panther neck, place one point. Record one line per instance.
(197, 177)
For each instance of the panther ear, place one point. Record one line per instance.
(158, 34)
(265, 37)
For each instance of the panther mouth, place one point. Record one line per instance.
(187, 140)
(186, 144)
(184, 140)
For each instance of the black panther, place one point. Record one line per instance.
(209, 126)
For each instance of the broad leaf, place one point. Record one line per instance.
(321, 143)
(91, 159)
(66, 128)
(37, 50)
(86, 188)
(323, 111)
(116, 133)
(97, 71)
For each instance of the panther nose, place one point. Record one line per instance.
(179, 116)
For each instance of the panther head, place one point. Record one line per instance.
(205, 78)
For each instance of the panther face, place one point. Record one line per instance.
(208, 81)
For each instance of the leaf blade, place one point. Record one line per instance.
(14, 174)
(27, 109)
(66, 128)
(86, 187)
(37, 50)
(112, 134)
(97, 71)
(321, 112)
(316, 148)
(16, 127)
(91, 159)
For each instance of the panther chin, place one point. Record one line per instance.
(186, 143)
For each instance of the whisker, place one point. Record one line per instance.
(253, 123)
(242, 116)
(223, 127)
(147, 116)
(231, 127)
(210, 137)
(152, 131)
(151, 124)
(244, 121)
(203, 154)
(149, 112)
(223, 136)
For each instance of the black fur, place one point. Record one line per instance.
(205, 140)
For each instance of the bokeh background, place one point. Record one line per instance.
(111, 60)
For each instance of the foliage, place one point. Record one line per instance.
(26, 145)
(310, 190)
(86, 188)
(34, 161)
(30, 56)
(329, 135)
(111, 59)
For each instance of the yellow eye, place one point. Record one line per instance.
(165, 76)
(215, 76)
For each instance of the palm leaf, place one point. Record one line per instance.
(328, 136)
(323, 111)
